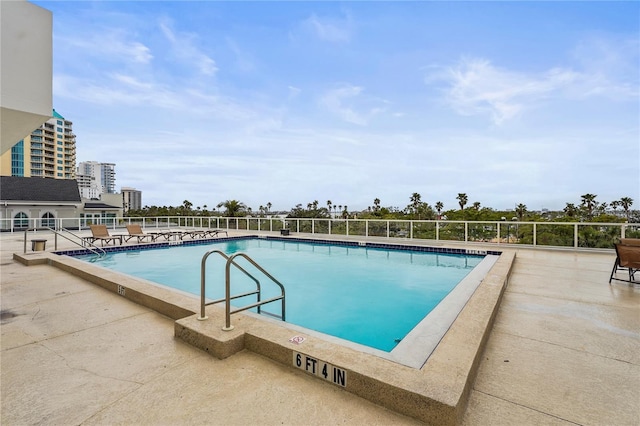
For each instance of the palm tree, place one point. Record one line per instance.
(476, 205)
(187, 205)
(233, 208)
(439, 207)
(589, 202)
(614, 205)
(570, 210)
(376, 204)
(626, 203)
(521, 210)
(269, 206)
(415, 202)
(462, 200)
(329, 204)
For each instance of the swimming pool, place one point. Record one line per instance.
(369, 295)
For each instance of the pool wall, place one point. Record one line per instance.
(437, 393)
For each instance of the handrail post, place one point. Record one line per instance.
(227, 298)
(203, 263)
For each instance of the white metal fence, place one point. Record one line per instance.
(536, 234)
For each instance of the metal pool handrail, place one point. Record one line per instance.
(227, 299)
(85, 244)
(203, 266)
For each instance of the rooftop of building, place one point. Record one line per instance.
(37, 189)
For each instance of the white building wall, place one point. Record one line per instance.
(132, 198)
(102, 176)
(26, 63)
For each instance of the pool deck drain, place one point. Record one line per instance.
(564, 349)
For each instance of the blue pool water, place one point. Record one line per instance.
(366, 295)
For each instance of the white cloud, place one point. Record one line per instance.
(113, 45)
(183, 47)
(243, 61)
(477, 87)
(293, 91)
(334, 30)
(346, 102)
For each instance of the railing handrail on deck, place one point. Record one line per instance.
(85, 244)
(583, 235)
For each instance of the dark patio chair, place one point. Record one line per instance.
(627, 257)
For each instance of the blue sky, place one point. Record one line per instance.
(291, 102)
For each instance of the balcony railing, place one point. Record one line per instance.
(570, 235)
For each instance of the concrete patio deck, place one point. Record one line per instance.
(565, 349)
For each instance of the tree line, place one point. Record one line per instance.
(588, 209)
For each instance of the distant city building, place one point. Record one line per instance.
(49, 152)
(131, 199)
(95, 179)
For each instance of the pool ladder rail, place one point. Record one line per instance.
(228, 297)
(69, 236)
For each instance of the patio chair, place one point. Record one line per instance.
(215, 232)
(168, 235)
(195, 233)
(135, 231)
(204, 233)
(630, 241)
(627, 257)
(101, 233)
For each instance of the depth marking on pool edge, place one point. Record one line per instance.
(319, 368)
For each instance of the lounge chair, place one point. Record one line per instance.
(195, 233)
(203, 233)
(135, 231)
(627, 257)
(215, 232)
(167, 235)
(101, 233)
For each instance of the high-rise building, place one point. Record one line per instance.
(96, 178)
(131, 199)
(49, 151)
